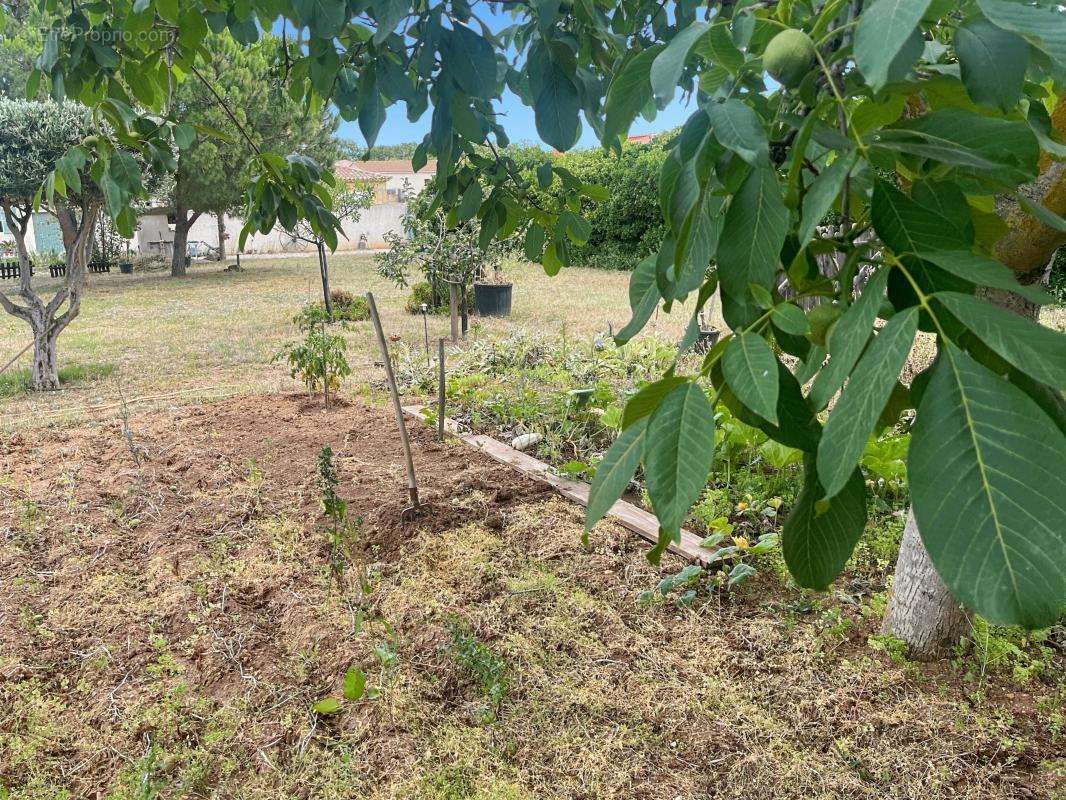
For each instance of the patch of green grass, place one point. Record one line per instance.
(1024, 655)
(18, 382)
(448, 782)
(483, 664)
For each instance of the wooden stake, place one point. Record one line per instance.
(440, 391)
(412, 481)
(453, 307)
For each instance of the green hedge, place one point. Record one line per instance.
(1057, 282)
(628, 225)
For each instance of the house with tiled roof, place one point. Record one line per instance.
(393, 179)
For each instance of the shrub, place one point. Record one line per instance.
(422, 292)
(442, 253)
(319, 360)
(628, 225)
(349, 307)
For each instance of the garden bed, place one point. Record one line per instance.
(167, 627)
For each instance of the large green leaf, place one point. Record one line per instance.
(125, 171)
(628, 94)
(847, 338)
(856, 413)
(754, 231)
(556, 106)
(738, 128)
(699, 237)
(750, 368)
(470, 60)
(670, 63)
(883, 30)
(1001, 150)
(819, 536)
(1037, 351)
(987, 470)
(993, 63)
(615, 471)
(678, 455)
(325, 18)
(909, 227)
(984, 270)
(643, 298)
(797, 426)
(717, 47)
(371, 116)
(644, 402)
(1040, 22)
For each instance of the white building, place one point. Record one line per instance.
(393, 180)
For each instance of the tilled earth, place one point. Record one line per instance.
(171, 607)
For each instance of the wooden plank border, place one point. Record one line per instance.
(626, 514)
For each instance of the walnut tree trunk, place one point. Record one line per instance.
(922, 611)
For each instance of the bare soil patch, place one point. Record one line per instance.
(165, 628)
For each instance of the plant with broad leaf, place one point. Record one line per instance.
(354, 689)
(922, 125)
(319, 361)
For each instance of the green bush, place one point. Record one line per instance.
(349, 307)
(422, 292)
(628, 225)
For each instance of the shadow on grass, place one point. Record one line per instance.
(17, 382)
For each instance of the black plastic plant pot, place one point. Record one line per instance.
(492, 299)
(125, 268)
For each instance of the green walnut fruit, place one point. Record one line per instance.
(821, 318)
(789, 57)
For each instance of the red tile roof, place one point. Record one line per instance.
(370, 170)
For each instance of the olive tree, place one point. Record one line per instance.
(35, 137)
(917, 123)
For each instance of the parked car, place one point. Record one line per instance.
(201, 250)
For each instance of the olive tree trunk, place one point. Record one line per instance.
(45, 321)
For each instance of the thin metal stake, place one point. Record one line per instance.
(453, 308)
(440, 391)
(412, 481)
(425, 329)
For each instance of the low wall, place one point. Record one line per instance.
(373, 223)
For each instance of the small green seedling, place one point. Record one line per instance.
(353, 691)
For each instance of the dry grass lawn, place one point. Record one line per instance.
(214, 333)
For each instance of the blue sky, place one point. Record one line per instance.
(518, 123)
(518, 120)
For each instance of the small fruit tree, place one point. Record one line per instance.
(347, 202)
(444, 253)
(320, 360)
(921, 123)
